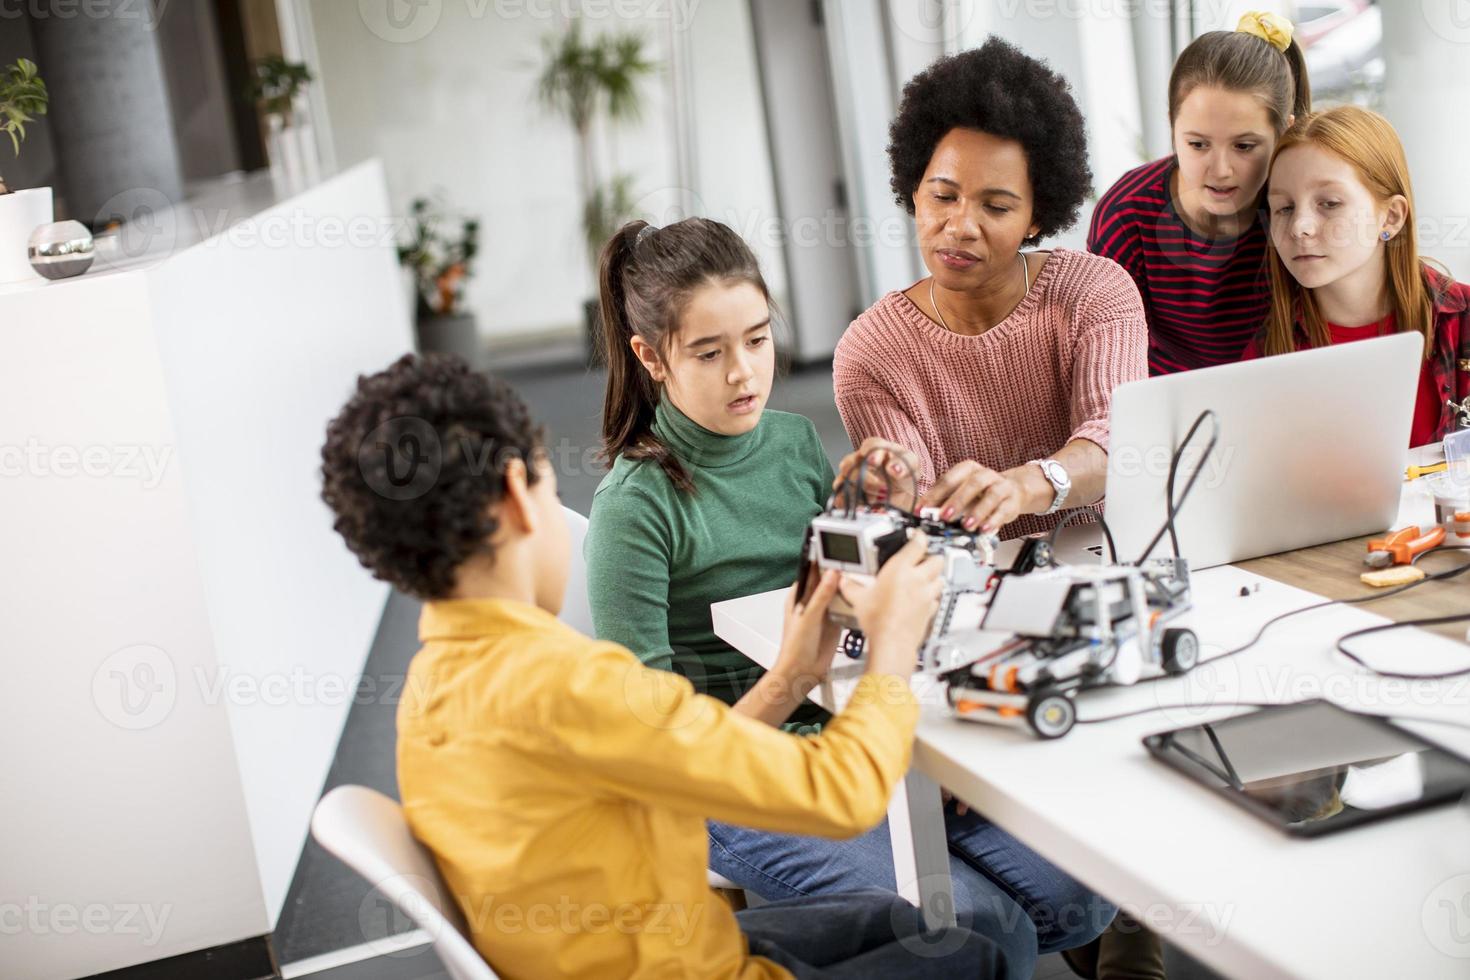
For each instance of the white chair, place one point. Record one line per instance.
(576, 609)
(367, 832)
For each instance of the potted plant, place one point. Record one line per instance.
(610, 207)
(585, 79)
(276, 88)
(440, 264)
(22, 98)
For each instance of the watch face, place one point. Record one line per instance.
(1057, 473)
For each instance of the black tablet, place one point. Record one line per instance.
(1313, 768)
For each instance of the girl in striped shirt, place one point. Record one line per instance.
(1190, 228)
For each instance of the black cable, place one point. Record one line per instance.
(859, 480)
(1400, 675)
(1172, 506)
(1071, 516)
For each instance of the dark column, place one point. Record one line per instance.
(109, 117)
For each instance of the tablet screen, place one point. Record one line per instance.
(1314, 768)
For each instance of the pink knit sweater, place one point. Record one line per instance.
(1020, 391)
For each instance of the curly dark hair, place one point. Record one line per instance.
(999, 90)
(413, 463)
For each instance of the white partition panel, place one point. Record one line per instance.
(181, 630)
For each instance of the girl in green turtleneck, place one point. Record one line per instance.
(710, 494)
(709, 498)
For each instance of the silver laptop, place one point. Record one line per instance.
(1311, 449)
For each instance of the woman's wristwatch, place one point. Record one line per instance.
(1056, 475)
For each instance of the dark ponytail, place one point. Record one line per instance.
(1243, 62)
(645, 279)
(1301, 101)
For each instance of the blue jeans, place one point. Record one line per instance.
(1003, 890)
(869, 933)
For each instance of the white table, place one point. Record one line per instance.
(1388, 900)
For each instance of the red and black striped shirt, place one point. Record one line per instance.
(1204, 299)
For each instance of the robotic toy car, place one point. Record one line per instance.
(1015, 646)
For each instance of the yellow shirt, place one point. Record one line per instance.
(563, 787)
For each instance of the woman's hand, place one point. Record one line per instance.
(889, 464)
(984, 499)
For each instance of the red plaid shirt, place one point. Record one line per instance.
(1450, 363)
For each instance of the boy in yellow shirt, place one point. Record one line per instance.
(561, 785)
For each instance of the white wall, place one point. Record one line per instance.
(1427, 85)
(261, 341)
(123, 799)
(447, 100)
(449, 103)
(1093, 50)
(733, 155)
(455, 110)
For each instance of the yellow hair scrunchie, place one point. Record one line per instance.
(1274, 29)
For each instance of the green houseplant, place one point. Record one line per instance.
(22, 98)
(440, 258)
(587, 79)
(276, 86)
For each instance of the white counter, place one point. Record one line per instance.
(183, 633)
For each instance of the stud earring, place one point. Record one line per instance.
(1384, 235)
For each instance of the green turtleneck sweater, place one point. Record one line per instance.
(657, 557)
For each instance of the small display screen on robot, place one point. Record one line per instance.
(840, 547)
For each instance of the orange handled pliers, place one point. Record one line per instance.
(1403, 546)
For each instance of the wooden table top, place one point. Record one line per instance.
(1332, 570)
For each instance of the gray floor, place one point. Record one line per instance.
(328, 907)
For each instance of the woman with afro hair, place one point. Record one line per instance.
(992, 377)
